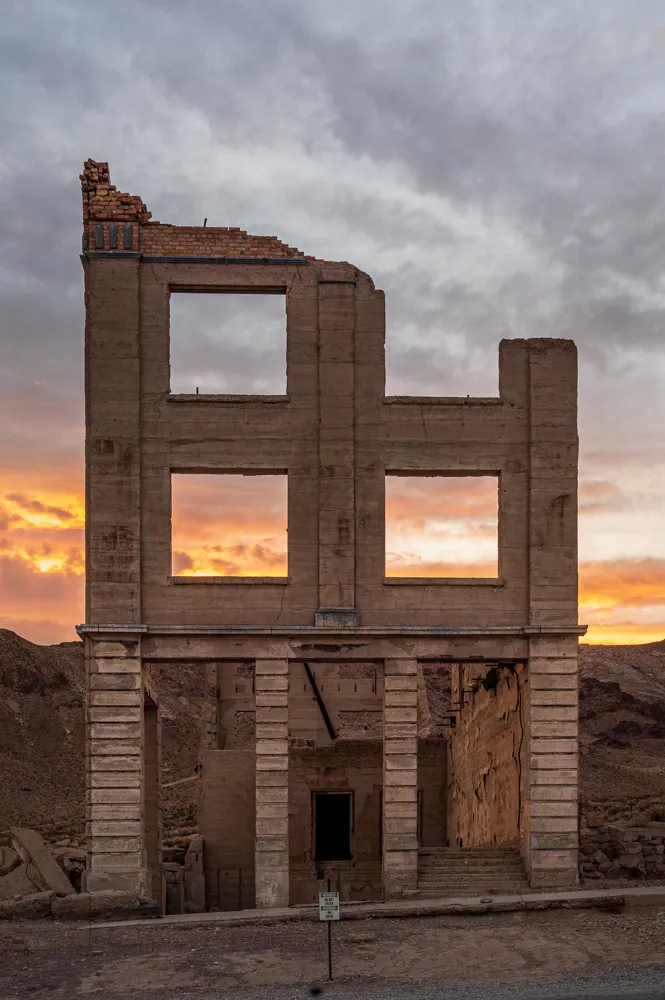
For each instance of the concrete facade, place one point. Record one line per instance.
(336, 436)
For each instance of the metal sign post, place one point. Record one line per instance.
(329, 911)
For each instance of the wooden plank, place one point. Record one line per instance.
(30, 846)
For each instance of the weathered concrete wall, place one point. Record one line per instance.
(355, 766)
(432, 790)
(343, 766)
(227, 822)
(351, 692)
(488, 752)
(335, 435)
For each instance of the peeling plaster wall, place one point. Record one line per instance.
(227, 823)
(487, 779)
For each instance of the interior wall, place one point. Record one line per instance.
(353, 697)
(227, 823)
(488, 749)
(227, 818)
(354, 766)
(432, 786)
(151, 794)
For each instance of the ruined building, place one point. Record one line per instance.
(316, 761)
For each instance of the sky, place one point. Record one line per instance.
(495, 165)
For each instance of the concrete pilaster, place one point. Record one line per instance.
(336, 445)
(553, 452)
(552, 807)
(272, 783)
(115, 769)
(400, 778)
(113, 441)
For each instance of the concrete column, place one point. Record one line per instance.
(113, 440)
(210, 710)
(272, 783)
(553, 451)
(400, 778)
(551, 813)
(115, 765)
(336, 446)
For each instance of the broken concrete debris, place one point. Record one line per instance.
(24, 880)
(105, 903)
(40, 881)
(31, 870)
(32, 850)
(9, 860)
(27, 908)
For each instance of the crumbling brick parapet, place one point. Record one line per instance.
(119, 222)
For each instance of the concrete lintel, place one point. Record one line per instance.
(444, 401)
(389, 631)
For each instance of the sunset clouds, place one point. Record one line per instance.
(41, 564)
(229, 525)
(441, 526)
(496, 168)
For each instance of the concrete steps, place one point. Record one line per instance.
(455, 872)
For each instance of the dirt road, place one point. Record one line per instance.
(285, 960)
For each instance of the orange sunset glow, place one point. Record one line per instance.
(439, 526)
(229, 525)
(236, 525)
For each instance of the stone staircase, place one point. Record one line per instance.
(451, 871)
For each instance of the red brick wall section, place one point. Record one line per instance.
(104, 205)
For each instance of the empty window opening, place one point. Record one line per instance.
(442, 526)
(438, 353)
(229, 525)
(332, 826)
(228, 343)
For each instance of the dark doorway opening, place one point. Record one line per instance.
(332, 826)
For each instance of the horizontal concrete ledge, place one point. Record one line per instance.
(298, 631)
(445, 401)
(450, 906)
(443, 581)
(211, 397)
(153, 259)
(280, 581)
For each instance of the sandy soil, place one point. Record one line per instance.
(72, 960)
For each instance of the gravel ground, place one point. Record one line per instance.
(382, 958)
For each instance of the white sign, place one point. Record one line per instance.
(328, 906)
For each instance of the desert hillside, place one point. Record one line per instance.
(622, 710)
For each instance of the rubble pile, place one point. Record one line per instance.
(614, 852)
(40, 880)
(37, 880)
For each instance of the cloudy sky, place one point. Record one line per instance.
(497, 166)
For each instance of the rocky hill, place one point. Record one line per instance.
(622, 711)
(42, 736)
